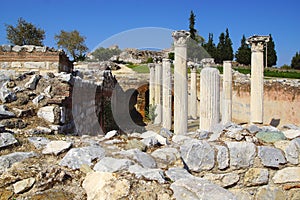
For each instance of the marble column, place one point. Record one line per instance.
(209, 98)
(227, 92)
(157, 96)
(167, 94)
(180, 82)
(151, 84)
(193, 91)
(257, 78)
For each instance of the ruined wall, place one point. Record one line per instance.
(281, 101)
(34, 58)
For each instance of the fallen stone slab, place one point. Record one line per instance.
(147, 173)
(7, 161)
(56, 147)
(38, 142)
(198, 188)
(109, 164)
(76, 157)
(7, 139)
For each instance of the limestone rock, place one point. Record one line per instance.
(22, 186)
(180, 139)
(292, 151)
(198, 155)
(4, 113)
(270, 192)
(242, 154)
(150, 142)
(241, 194)
(83, 155)
(253, 129)
(7, 161)
(49, 113)
(142, 158)
(39, 130)
(39, 142)
(37, 99)
(270, 137)
(56, 147)
(224, 180)
(270, 156)
(109, 164)
(178, 173)
(222, 157)
(110, 134)
(287, 175)
(7, 96)
(256, 176)
(198, 188)
(104, 185)
(135, 144)
(162, 140)
(7, 139)
(147, 173)
(32, 83)
(14, 123)
(291, 134)
(166, 156)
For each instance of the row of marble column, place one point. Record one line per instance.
(160, 83)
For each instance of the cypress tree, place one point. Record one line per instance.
(210, 47)
(219, 57)
(243, 54)
(228, 51)
(193, 31)
(272, 55)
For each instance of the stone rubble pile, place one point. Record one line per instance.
(230, 162)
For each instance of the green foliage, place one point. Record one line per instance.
(139, 68)
(150, 113)
(295, 64)
(272, 55)
(285, 66)
(224, 48)
(149, 60)
(72, 42)
(228, 54)
(210, 47)
(25, 33)
(243, 54)
(192, 30)
(104, 54)
(171, 55)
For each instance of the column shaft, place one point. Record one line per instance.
(227, 92)
(158, 87)
(193, 92)
(151, 84)
(167, 95)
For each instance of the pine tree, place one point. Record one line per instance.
(272, 55)
(193, 31)
(210, 47)
(228, 51)
(219, 57)
(243, 54)
(296, 61)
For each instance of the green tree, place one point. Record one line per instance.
(295, 64)
(210, 46)
(193, 31)
(24, 33)
(243, 54)
(228, 50)
(72, 42)
(104, 54)
(272, 55)
(219, 57)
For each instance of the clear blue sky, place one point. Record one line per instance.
(99, 20)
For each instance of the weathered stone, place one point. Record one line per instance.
(198, 188)
(178, 173)
(270, 156)
(241, 194)
(161, 139)
(166, 133)
(242, 154)
(222, 157)
(270, 137)
(7, 139)
(166, 156)
(198, 155)
(287, 175)
(109, 164)
(39, 130)
(150, 142)
(5, 114)
(292, 151)
(110, 134)
(83, 155)
(39, 142)
(24, 113)
(49, 113)
(291, 134)
(6, 47)
(270, 192)
(17, 48)
(64, 77)
(135, 144)
(256, 176)
(14, 123)
(23, 186)
(216, 130)
(142, 158)
(32, 83)
(180, 139)
(147, 173)
(37, 99)
(104, 185)
(56, 147)
(224, 180)
(7, 161)
(7, 96)
(291, 126)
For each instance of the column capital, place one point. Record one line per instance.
(180, 37)
(193, 66)
(151, 65)
(257, 42)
